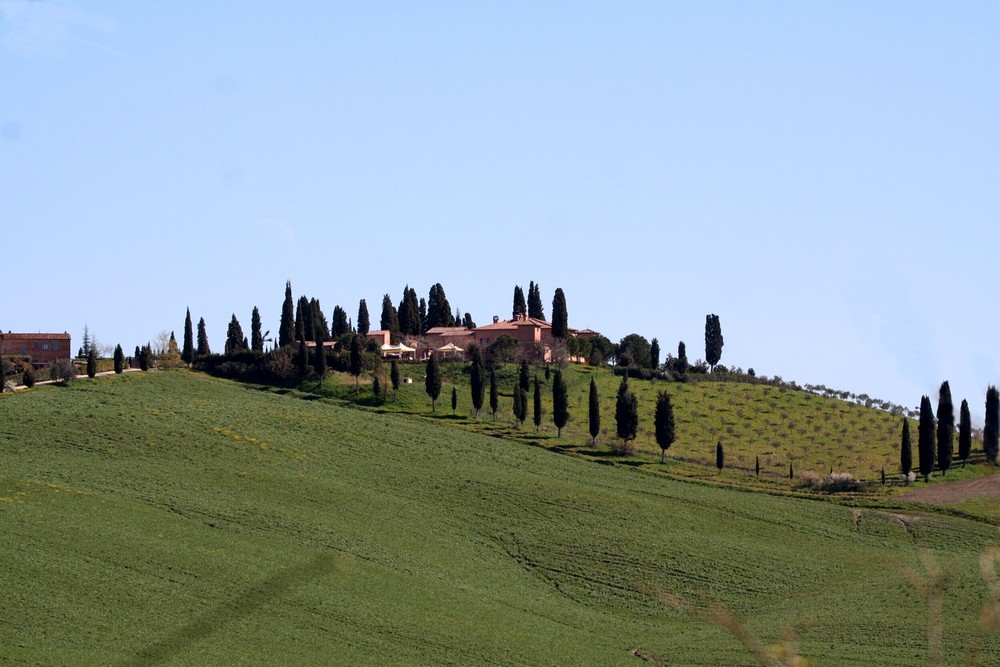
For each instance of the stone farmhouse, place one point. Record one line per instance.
(42, 348)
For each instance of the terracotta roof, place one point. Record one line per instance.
(448, 331)
(514, 324)
(35, 336)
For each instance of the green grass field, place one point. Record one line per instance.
(172, 518)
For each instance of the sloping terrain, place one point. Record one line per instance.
(171, 518)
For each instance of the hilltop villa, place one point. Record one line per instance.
(43, 348)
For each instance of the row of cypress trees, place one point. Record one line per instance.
(936, 433)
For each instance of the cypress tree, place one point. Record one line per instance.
(340, 325)
(432, 383)
(91, 362)
(438, 310)
(301, 359)
(520, 404)
(304, 326)
(409, 313)
(535, 308)
(560, 318)
(120, 359)
(991, 428)
(390, 318)
(394, 378)
(713, 340)
(791, 471)
(286, 330)
(945, 428)
(682, 359)
(663, 422)
(756, 466)
(964, 432)
(377, 388)
(203, 349)
(626, 414)
(477, 377)
(187, 354)
(256, 337)
(364, 324)
(520, 307)
(594, 412)
(536, 413)
(523, 380)
(320, 329)
(494, 393)
(925, 438)
(422, 309)
(357, 360)
(319, 358)
(906, 451)
(234, 337)
(560, 402)
(654, 354)
(720, 456)
(454, 399)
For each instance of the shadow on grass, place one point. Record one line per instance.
(231, 611)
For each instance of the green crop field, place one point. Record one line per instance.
(173, 518)
(779, 425)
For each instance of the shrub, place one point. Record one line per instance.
(63, 370)
(835, 482)
(28, 379)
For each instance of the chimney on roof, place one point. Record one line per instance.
(496, 319)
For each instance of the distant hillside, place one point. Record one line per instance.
(172, 518)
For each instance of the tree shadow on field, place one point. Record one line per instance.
(228, 612)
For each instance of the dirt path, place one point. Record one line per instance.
(955, 492)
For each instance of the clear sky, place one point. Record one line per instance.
(825, 176)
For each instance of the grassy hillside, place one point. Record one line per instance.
(171, 518)
(779, 425)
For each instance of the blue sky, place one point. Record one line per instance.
(823, 176)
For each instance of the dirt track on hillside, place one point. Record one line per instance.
(955, 492)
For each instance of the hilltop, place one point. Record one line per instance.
(172, 517)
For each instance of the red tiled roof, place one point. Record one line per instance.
(514, 324)
(34, 336)
(448, 331)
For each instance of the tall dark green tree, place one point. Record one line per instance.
(945, 428)
(364, 323)
(357, 361)
(756, 466)
(682, 359)
(145, 357)
(991, 427)
(560, 318)
(203, 349)
(536, 413)
(390, 319)
(320, 328)
(535, 308)
(119, 359)
(523, 379)
(468, 322)
(906, 451)
(477, 378)
(319, 357)
(663, 423)
(422, 309)
(235, 342)
(187, 354)
(408, 313)
(91, 362)
(303, 319)
(494, 393)
(964, 432)
(438, 310)
(633, 350)
(454, 399)
(520, 404)
(654, 354)
(594, 412)
(720, 456)
(301, 358)
(432, 383)
(520, 307)
(339, 326)
(256, 337)
(925, 438)
(713, 340)
(560, 402)
(286, 330)
(627, 419)
(394, 377)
